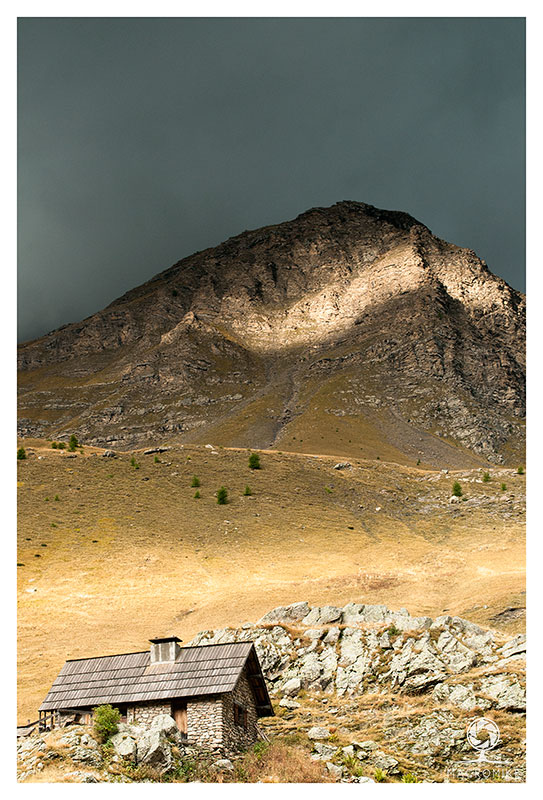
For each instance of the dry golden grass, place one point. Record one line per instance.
(125, 554)
(280, 762)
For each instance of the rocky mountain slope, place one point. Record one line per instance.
(361, 694)
(347, 330)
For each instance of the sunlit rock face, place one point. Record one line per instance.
(346, 312)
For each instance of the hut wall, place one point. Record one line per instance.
(144, 712)
(205, 722)
(238, 736)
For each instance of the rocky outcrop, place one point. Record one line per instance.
(377, 320)
(362, 647)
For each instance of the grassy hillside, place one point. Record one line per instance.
(112, 553)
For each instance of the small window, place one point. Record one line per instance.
(240, 715)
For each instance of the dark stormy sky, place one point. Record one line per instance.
(144, 140)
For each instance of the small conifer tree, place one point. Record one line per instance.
(72, 444)
(222, 496)
(486, 477)
(195, 481)
(247, 492)
(520, 471)
(254, 461)
(21, 454)
(197, 494)
(457, 489)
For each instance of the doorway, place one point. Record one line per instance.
(179, 713)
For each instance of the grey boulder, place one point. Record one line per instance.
(164, 723)
(506, 692)
(385, 762)
(223, 765)
(292, 613)
(125, 746)
(318, 732)
(154, 750)
(335, 771)
(322, 615)
(292, 687)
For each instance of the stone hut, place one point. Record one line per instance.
(216, 693)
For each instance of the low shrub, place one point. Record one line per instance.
(486, 477)
(105, 722)
(520, 470)
(21, 454)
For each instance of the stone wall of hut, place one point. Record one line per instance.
(238, 736)
(205, 722)
(144, 712)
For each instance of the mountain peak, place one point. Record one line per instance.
(354, 209)
(347, 320)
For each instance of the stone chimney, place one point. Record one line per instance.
(164, 650)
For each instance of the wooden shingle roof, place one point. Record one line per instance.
(131, 678)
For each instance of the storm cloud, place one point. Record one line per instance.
(142, 141)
